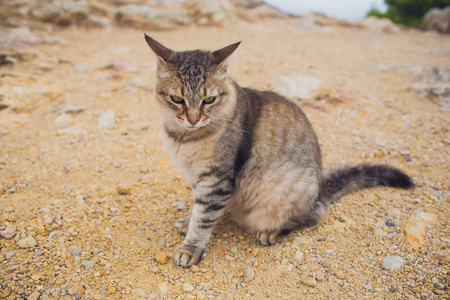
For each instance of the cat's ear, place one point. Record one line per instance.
(219, 56)
(163, 53)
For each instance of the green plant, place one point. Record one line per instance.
(408, 12)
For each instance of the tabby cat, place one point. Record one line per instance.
(251, 152)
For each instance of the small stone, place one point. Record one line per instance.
(298, 256)
(8, 255)
(393, 289)
(415, 229)
(88, 264)
(27, 242)
(392, 262)
(311, 282)
(437, 284)
(195, 268)
(187, 287)
(161, 240)
(325, 264)
(76, 279)
(8, 233)
(439, 292)
(163, 288)
(320, 276)
(34, 296)
(36, 277)
(340, 275)
(389, 223)
(139, 292)
(107, 118)
(141, 231)
(249, 274)
(368, 287)
(123, 190)
(208, 285)
(13, 217)
(300, 241)
(74, 250)
(161, 257)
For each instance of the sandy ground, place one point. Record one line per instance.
(60, 172)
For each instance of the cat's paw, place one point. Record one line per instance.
(182, 225)
(186, 256)
(267, 238)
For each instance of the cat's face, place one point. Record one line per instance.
(192, 87)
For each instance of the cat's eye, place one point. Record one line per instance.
(209, 100)
(177, 99)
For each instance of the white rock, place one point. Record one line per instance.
(392, 262)
(297, 86)
(107, 118)
(187, 287)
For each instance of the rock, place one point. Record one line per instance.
(161, 257)
(8, 255)
(139, 292)
(62, 13)
(392, 262)
(415, 229)
(437, 19)
(379, 25)
(123, 190)
(74, 250)
(13, 217)
(340, 275)
(249, 274)
(368, 287)
(187, 287)
(300, 241)
(311, 282)
(70, 108)
(106, 119)
(111, 290)
(437, 91)
(298, 256)
(34, 296)
(161, 240)
(27, 242)
(320, 276)
(389, 223)
(88, 264)
(297, 86)
(8, 233)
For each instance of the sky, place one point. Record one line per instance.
(342, 9)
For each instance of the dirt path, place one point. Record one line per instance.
(60, 170)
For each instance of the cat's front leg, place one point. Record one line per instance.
(210, 199)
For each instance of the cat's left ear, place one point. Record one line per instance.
(220, 56)
(163, 53)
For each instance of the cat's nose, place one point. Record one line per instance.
(193, 122)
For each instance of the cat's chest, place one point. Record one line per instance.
(193, 157)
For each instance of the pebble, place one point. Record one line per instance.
(8, 233)
(415, 229)
(74, 250)
(298, 256)
(34, 296)
(161, 257)
(88, 264)
(208, 285)
(187, 287)
(309, 281)
(27, 242)
(368, 287)
(392, 262)
(8, 255)
(161, 240)
(141, 231)
(249, 274)
(13, 217)
(389, 223)
(106, 118)
(340, 275)
(123, 190)
(320, 276)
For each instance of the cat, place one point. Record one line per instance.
(251, 152)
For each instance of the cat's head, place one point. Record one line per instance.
(192, 86)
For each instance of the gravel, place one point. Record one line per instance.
(392, 262)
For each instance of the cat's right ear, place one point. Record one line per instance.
(162, 52)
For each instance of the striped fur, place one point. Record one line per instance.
(251, 152)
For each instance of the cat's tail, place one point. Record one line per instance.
(339, 181)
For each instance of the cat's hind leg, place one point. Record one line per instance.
(267, 238)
